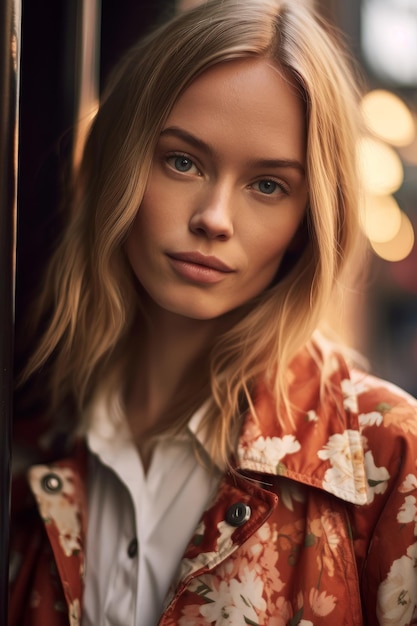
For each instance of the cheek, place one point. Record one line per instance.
(269, 246)
(149, 220)
(159, 213)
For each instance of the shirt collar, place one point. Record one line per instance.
(317, 443)
(108, 433)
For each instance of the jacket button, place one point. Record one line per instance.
(238, 514)
(51, 483)
(132, 548)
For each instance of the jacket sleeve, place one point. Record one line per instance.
(387, 526)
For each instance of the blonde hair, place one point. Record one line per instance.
(90, 287)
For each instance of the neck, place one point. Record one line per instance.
(171, 365)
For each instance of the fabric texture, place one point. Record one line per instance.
(130, 555)
(315, 525)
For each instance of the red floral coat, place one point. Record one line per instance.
(317, 525)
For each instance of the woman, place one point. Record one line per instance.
(234, 468)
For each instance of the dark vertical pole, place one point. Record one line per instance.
(87, 71)
(10, 24)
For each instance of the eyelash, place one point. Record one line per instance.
(281, 188)
(185, 157)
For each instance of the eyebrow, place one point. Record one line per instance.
(175, 131)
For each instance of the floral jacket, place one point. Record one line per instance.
(316, 525)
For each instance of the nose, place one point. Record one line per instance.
(213, 215)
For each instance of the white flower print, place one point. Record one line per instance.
(408, 512)
(350, 401)
(271, 450)
(59, 507)
(375, 418)
(338, 448)
(219, 605)
(345, 453)
(409, 484)
(232, 602)
(248, 590)
(312, 416)
(321, 603)
(397, 594)
(191, 617)
(377, 477)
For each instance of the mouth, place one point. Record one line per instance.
(197, 268)
(205, 261)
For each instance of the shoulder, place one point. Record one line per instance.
(387, 417)
(384, 530)
(377, 402)
(384, 416)
(381, 403)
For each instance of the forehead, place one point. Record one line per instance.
(249, 102)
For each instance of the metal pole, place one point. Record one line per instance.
(87, 71)
(10, 28)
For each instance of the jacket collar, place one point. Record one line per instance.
(317, 440)
(60, 493)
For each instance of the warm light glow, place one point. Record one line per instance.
(388, 117)
(81, 132)
(380, 167)
(409, 153)
(389, 39)
(400, 246)
(381, 218)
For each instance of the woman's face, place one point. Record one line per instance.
(226, 193)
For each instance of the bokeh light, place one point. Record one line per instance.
(388, 117)
(381, 217)
(389, 39)
(380, 167)
(400, 246)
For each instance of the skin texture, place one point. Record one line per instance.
(227, 189)
(228, 182)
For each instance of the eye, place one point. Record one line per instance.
(269, 187)
(182, 163)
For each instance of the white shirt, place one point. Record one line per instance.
(155, 513)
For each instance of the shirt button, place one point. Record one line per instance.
(238, 514)
(51, 483)
(132, 548)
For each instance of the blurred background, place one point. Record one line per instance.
(382, 35)
(69, 47)
(58, 54)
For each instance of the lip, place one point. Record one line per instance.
(204, 260)
(199, 268)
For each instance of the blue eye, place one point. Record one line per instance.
(183, 164)
(267, 186)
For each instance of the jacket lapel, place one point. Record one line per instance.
(60, 493)
(315, 443)
(318, 441)
(240, 508)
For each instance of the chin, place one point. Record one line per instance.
(195, 310)
(194, 313)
